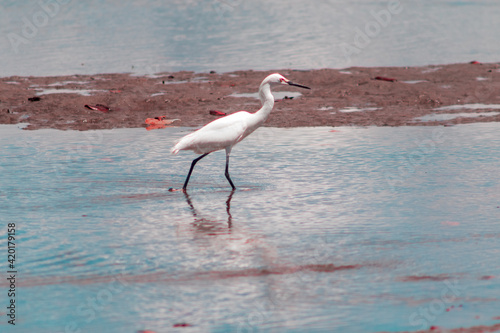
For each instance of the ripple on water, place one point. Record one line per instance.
(325, 224)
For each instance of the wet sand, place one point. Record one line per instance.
(392, 96)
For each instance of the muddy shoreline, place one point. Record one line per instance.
(357, 96)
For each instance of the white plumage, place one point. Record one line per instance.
(224, 133)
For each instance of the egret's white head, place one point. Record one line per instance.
(275, 79)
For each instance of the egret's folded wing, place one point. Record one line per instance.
(218, 134)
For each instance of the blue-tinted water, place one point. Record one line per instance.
(357, 230)
(50, 37)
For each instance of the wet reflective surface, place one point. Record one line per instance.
(471, 112)
(148, 36)
(450, 116)
(344, 229)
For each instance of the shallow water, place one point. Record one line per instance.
(150, 36)
(330, 229)
(450, 116)
(471, 114)
(356, 109)
(477, 106)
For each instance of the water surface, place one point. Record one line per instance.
(151, 36)
(330, 229)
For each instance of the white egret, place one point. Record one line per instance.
(224, 133)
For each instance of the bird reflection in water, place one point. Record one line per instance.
(236, 243)
(208, 226)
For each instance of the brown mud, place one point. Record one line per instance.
(394, 96)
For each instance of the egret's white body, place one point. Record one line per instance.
(220, 133)
(224, 133)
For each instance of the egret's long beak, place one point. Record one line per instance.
(297, 85)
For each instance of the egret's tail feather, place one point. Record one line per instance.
(177, 147)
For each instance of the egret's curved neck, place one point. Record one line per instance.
(267, 100)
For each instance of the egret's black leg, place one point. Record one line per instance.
(228, 210)
(227, 171)
(191, 170)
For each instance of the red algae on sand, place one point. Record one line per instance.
(383, 78)
(98, 107)
(418, 92)
(217, 113)
(158, 122)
